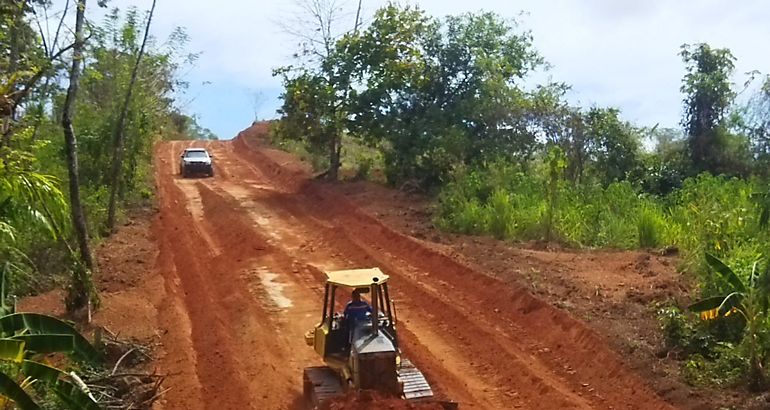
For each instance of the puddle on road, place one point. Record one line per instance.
(274, 289)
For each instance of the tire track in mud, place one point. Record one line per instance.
(479, 341)
(240, 360)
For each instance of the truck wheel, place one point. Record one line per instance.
(211, 172)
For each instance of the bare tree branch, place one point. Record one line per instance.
(317, 25)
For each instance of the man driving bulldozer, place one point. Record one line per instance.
(356, 309)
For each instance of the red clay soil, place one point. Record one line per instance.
(128, 284)
(367, 400)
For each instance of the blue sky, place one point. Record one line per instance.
(619, 53)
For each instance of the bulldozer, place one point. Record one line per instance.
(361, 355)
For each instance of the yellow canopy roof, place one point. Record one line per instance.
(356, 278)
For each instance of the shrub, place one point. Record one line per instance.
(501, 215)
(649, 225)
(676, 330)
(364, 168)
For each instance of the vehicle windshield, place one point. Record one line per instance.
(196, 154)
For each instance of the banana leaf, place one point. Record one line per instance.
(714, 307)
(12, 350)
(48, 343)
(13, 391)
(70, 394)
(726, 273)
(38, 324)
(707, 304)
(41, 372)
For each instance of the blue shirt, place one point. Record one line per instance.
(357, 310)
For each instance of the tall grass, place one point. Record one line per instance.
(501, 214)
(714, 214)
(650, 226)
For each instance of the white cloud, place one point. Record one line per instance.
(620, 53)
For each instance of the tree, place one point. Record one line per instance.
(437, 93)
(311, 112)
(615, 145)
(81, 292)
(708, 95)
(26, 61)
(317, 92)
(667, 166)
(119, 138)
(754, 120)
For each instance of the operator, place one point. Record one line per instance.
(356, 309)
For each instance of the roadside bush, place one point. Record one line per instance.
(676, 330)
(467, 216)
(716, 215)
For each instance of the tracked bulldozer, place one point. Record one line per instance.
(364, 354)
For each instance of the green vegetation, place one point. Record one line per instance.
(25, 338)
(58, 137)
(443, 103)
(745, 297)
(81, 105)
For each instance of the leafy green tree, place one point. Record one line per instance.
(313, 112)
(708, 96)
(317, 92)
(37, 164)
(184, 127)
(614, 145)
(667, 166)
(439, 93)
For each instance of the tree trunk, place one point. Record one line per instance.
(335, 147)
(81, 291)
(119, 138)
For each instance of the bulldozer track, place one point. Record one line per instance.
(242, 256)
(415, 385)
(321, 383)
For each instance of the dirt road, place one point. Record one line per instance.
(242, 256)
